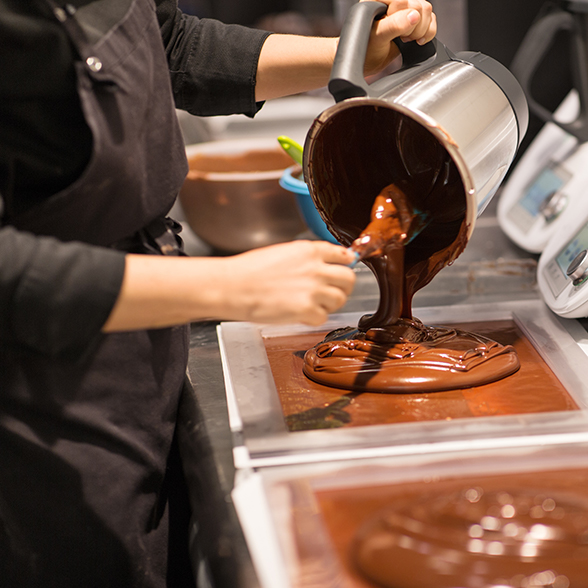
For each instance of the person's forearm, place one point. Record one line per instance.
(301, 281)
(291, 64)
(160, 292)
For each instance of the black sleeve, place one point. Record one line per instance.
(54, 296)
(213, 66)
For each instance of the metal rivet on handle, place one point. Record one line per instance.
(60, 14)
(94, 64)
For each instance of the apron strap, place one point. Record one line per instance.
(92, 62)
(159, 237)
(64, 14)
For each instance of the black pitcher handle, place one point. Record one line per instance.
(347, 79)
(531, 53)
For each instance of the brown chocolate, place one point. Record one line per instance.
(516, 529)
(308, 405)
(415, 230)
(251, 161)
(392, 220)
(478, 536)
(408, 357)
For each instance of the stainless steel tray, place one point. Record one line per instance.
(261, 437)
(292, 538)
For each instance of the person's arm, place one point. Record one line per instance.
(294, 282)
(212, 65)
(290, 64)
(54, 296)
(222, 69)
(302, 281)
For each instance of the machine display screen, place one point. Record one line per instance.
(546, 183)
(575, 246)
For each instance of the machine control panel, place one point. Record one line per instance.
(545, 196)
(563, 269)
(542, 189)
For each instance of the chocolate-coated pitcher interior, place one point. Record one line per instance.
(358, 151)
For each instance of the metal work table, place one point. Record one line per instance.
(490, 270)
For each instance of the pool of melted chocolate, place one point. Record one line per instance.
(417, 227)
(309, 405)
(520, 530)
(408, 357)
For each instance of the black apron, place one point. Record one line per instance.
(84, 445)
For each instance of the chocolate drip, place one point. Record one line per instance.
(417, 227)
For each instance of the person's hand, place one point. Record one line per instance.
(301, 281)
(409, 20)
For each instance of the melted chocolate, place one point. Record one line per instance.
(522, 528)
(408, 357)
(251, 161)
(308, 405)
(392, 222)
(417, 227)
(519, 537)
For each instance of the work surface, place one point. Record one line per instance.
(490, 270)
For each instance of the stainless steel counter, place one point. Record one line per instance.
(490, 270)
(217, 547)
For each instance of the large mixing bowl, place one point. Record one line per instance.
(231, 196)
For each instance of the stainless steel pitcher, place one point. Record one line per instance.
(466, 108)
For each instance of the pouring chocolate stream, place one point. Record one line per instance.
(391, 351)
(411, 129)
(393, 223)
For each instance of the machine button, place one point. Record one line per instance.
(578, 269)
(553, 205)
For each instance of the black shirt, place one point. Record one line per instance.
(56, 296)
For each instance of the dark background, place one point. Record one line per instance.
(249, 12)
(493, 27)
(497, 28)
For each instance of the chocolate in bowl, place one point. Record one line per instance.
(231, 196)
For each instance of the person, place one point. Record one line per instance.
(95, 295)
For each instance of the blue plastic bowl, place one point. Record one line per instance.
(309, 212)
